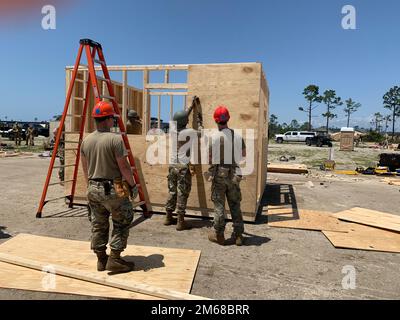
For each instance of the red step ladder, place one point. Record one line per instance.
(91, 48)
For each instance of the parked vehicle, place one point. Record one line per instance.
(321, 139)
(294, 136)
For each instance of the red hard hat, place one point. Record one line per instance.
(221, 114)
(103, 109)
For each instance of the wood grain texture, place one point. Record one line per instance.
(171, 269)
(283, 217)
(287, 168)
(98, 278)
(371, 218)
(365, 238)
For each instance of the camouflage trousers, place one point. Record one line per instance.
(30, 140)
(179, 186)
(101, 206)
(224, 188)
(61, 157)
(17, 139)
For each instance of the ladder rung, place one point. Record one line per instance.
(74, 115)
(80, 80)
(107, 97)
(84, 65)
(71, 141)
(138, 204)
(102, 79)
(60, 182)
(70, 149)
(79, 98)
(99, 61)
(71, 132)
(55, 199)
(64, 166)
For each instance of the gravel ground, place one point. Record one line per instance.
(274, 264)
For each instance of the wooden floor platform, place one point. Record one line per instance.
(172, 269)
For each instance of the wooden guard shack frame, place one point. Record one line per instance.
(242, 87)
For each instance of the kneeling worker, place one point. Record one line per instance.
(110, 182)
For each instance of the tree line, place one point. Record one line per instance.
(391, 102)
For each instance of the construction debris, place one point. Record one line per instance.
(287, 168)
(371, 218)
(368, 229)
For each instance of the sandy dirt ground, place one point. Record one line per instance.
(274, 263)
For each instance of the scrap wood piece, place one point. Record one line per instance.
(305, 220)
(370, 218)
(100, 279)
(392, 182)
(168, 268)
(287, 168)
(365, 238)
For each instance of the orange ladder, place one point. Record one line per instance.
(91, 48)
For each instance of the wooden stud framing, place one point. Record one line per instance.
(146, 104)
(246, 94)
(124, 95)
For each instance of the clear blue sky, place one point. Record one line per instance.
(298, 42)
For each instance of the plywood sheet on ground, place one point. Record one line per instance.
(365, 238)
(172, 269)
(287, 168)
(286, 217)
(371, 218)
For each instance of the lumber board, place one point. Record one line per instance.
(99, 278)
(287, 168)
(365, 238)
(371, 218)
(170, 269)
(284, 217)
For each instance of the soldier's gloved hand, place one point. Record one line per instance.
(134, 191)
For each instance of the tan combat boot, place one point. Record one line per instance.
(102, 259)
(238, 239)
(168, 219)
(116, 264)
(181, 222)
(217, 237)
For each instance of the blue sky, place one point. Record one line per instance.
(298, 42)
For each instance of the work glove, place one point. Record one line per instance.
(134, 191)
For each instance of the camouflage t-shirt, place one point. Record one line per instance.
(101, 150)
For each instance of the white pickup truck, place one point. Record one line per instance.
(294, 136)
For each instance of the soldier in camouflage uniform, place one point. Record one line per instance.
(60, 153)
(110, 184)
(180, 173)
(225, 181)
(17, 134)
(134, 125)
(29, 136)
